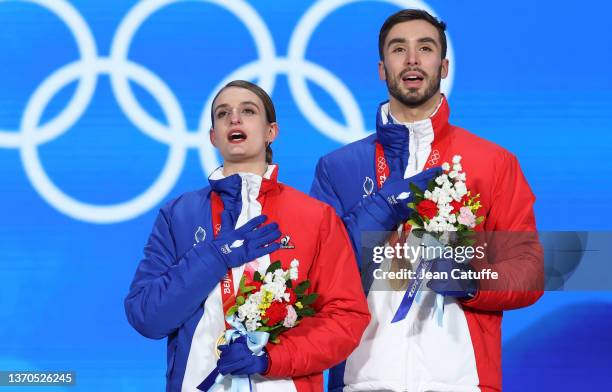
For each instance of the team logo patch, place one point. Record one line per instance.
(285, 242)
(368, 187)
(199, 235)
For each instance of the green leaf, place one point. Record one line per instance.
(289, 283)
(301, 287)
(419, 220)
(305, 312)
(231, 311)
(309, 299)
(414, 225)
(412, 205)
(415, 189)
(246, 289)
(273, 267)
(257, 277)
(240, 300)
(431, 185)
(418, 232)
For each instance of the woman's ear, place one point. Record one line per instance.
(272, 132)
(211, 134)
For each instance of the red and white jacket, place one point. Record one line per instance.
(163, 302)
(417, 354)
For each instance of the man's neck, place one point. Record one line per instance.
(259, 168)
(408, 114)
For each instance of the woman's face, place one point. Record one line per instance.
(240, 129)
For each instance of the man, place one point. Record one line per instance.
(367, 183)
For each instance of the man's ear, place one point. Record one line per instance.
(444, 69)
(382, 74)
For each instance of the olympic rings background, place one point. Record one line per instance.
(104, 117)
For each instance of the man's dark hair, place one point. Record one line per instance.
(407, 16)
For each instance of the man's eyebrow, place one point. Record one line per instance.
(396, 41)
(428, 40)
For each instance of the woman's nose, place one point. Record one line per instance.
(235, 116)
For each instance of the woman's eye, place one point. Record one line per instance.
(248, 111)
(221, 114)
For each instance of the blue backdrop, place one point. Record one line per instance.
(103, 118)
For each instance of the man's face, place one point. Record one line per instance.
(412, 65)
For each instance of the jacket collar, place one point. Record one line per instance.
(231, 186)
(393, 135)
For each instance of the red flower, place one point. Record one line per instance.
(256, 284)
(276, 313)
(292, 297)
(456, 206)
(427, 208)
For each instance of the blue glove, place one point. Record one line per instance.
(237, 359)
(239, 246)
(397, 193)
(453, 286)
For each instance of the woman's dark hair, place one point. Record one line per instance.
(265, 98)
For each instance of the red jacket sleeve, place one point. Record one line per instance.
(327, 338)
(514, 251)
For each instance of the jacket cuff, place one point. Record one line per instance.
(278, 363)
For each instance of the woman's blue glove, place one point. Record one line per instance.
(453, 286)
(248, 242)
(237, 359)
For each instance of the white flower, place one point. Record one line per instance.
(453, 174)
(251, 325)
(457, 167)
(445, 166)
(293, 271)
(460, 188)
(457, 159)
(427, 195)
(290, 318)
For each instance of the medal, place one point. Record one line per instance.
(220, 341)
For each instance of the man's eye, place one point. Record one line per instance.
(398, 50)
(426, 49)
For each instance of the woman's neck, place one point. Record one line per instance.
(258, 168)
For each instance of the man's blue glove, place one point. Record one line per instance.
(397, 193)
(453, 286)
(239, 360)
(248, 242)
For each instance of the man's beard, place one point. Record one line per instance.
(412, 98)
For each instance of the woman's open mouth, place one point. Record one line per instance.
(236, 136)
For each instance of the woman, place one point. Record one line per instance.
(176, 292)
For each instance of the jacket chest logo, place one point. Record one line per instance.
(368, 187)
(199, 235)
(286, 243)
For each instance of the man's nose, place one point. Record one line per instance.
(412, 57)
